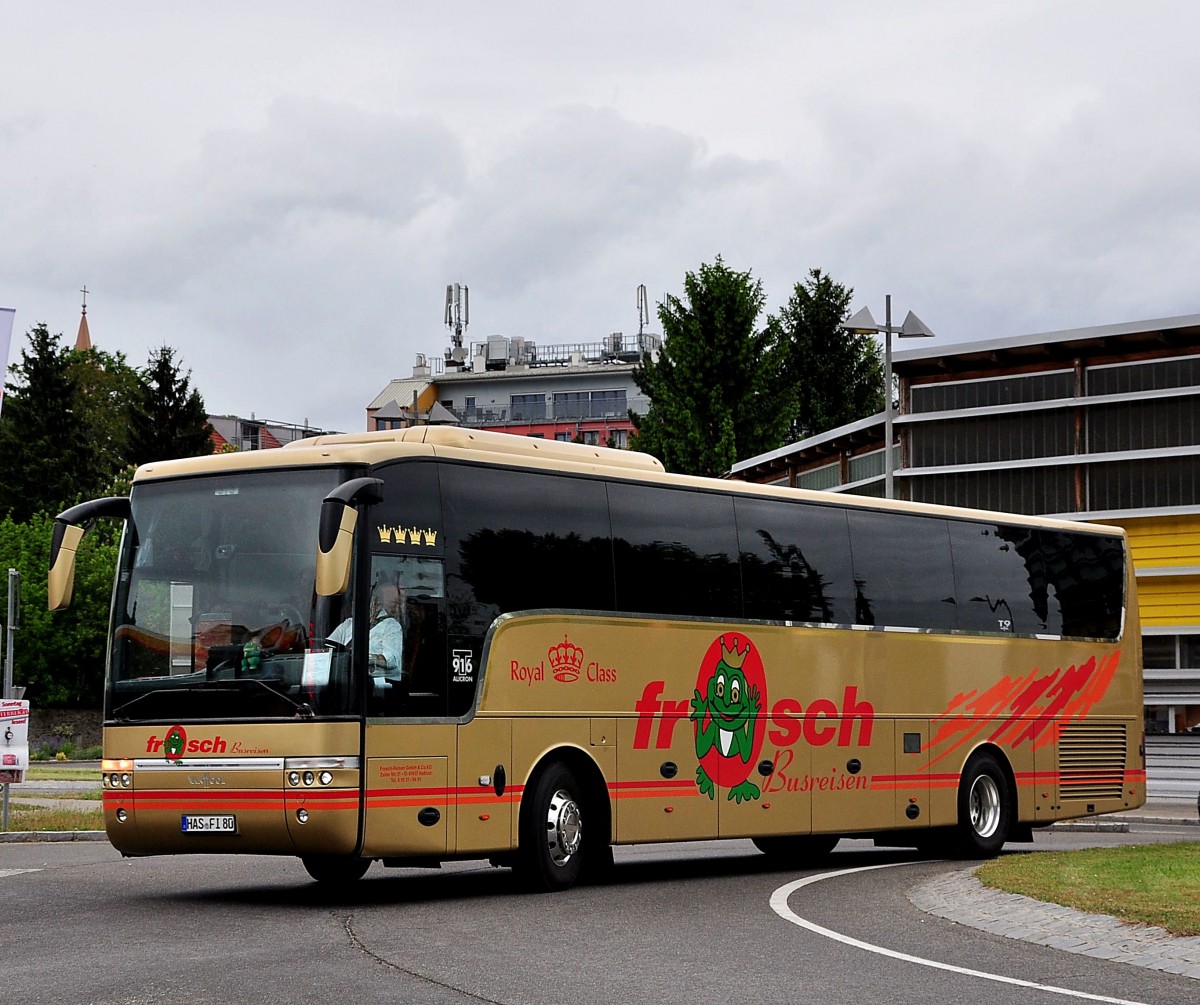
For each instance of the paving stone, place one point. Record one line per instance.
(961, 898)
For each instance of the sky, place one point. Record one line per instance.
(282, 191)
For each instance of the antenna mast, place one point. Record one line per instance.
(458, 312)
(643, 306)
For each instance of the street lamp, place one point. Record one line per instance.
(863, 323)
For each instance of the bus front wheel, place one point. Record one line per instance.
(335, 870)
(984, 808)
(551, 846)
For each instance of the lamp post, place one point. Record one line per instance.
(863, 323)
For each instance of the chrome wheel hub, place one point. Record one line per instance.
(564, 832)
(985, 806)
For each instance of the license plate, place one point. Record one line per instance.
(210, 823)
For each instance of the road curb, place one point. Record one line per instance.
(13, 837)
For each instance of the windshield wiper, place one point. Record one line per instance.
(303, 709)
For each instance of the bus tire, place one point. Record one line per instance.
(797, 849)
(551, 845)
(984, 808)
(335, 870)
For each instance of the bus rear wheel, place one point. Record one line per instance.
(335, 870)
(551, 846)
(797, 849)
(984, 809)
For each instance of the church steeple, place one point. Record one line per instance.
(84, 339)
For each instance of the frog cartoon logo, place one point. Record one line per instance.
(174, 744)
(729, 698)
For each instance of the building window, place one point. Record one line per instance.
(619, 438)
(528, 407)
(590, 404)
(250, 436)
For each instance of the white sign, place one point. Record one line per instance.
(14, 740)
(6, 325)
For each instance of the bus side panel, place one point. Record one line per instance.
(914, 785)
(785, 801)
(487, 786)
(408, 768)
(1044, 788)
(854, 787)
(655, 796)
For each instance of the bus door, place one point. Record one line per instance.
(411, 740)
(408, 770)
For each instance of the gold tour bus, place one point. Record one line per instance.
(429, 644)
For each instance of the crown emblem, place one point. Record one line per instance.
(731, 657)
(385, 535)
(566, 660)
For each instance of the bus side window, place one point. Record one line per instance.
(675, 551)
(902, 568)
(998, 578)
(795, 560)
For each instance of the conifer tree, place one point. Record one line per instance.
(834, 377)
(44, 444)
(710, 388)
(167, 418)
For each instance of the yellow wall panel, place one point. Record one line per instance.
(1155, 542)
(1161, 542)
(1169, 600)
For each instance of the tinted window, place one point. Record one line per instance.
(999, 579)
(675, 551)
(409, 519)
(902, 570)
(795, 561)
(1085, 580)
(521, 540)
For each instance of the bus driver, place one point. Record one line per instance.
(385, 643)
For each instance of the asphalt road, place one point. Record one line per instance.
(678, 923)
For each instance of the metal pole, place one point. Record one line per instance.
(13, 579)
(887, 398)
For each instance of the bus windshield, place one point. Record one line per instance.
(215, 613)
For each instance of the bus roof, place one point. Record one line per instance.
(482, 446)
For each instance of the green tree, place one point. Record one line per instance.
(167, 418)
(832, 376)
(710, 387)
(59, 656)
(105, 387)
(44, 442)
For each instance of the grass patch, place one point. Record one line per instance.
(1148, 884)
(22, 817)
(48, 774)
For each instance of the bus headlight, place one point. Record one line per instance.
(309, 778)
(326, 777)
(293, 777)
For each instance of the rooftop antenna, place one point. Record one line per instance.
(643, 306)
(458, 312)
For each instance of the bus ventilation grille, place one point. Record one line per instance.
(1091, 760)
